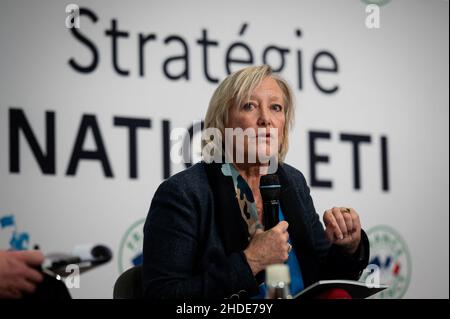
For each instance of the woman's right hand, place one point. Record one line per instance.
(268, 247)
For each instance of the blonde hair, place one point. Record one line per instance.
(236, 88)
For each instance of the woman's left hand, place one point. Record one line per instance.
(343, 228)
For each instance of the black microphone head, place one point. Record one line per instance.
(269, 186)
(101, 253)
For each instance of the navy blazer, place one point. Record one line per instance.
(194, 237)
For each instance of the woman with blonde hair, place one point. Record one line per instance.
(208, 234)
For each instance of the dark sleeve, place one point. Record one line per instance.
(175, 265)
(334, 264)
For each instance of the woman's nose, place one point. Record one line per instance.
(264, 117)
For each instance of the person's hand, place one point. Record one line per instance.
(343, 228)
(268, 247)
(16, 273)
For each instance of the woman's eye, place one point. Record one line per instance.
(277, 107)
(248, 107)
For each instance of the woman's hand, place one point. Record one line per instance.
(343, 228)
(268, 247)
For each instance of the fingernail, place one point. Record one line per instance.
(341, 237)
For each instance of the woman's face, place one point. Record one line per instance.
(264, 114)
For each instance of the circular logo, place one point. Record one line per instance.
(389, 253)
(130, 250)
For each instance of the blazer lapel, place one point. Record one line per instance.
(299, 232)
(232, 227)
(293, 211)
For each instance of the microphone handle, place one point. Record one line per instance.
(270, 214)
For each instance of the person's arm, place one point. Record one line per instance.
(336, 262)
(173, 250)
(17, 273)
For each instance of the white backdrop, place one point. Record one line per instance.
(392, 81)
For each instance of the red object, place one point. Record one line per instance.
(396, 269)
(335, 293)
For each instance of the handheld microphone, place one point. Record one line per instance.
(270, 188)
(86, 257)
